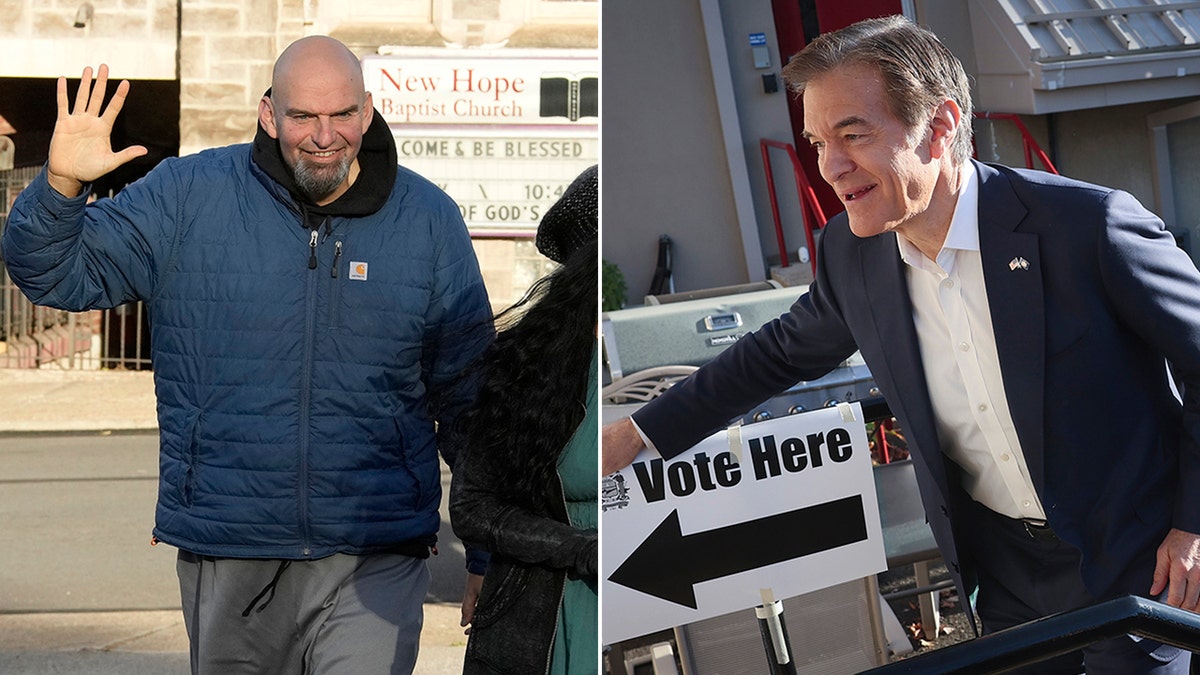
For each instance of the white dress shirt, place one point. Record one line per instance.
(962, 368)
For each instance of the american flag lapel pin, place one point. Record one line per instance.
(1018, 263)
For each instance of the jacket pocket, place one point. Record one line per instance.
(500, 592)
(515, 619)
(190, 455)
(1153, 507)
(1064, 331)
(415, 461)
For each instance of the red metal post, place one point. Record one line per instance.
(1028, 143)
(812, 214)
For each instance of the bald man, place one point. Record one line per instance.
(313, 308)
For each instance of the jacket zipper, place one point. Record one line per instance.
(310, 323)
(562, 594)
(335, 288)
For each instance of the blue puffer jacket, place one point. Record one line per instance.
(296, 405)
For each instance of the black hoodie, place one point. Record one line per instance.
(368, 194)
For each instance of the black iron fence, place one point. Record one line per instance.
(39, 337)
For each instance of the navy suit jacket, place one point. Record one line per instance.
(1083, 332)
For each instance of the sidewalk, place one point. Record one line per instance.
(50, 400)
(43, 640)
(154, 643)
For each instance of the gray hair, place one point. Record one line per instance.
(918, 71)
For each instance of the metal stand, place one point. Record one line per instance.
(775, 638)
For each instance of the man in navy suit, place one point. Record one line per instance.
(1019, 324)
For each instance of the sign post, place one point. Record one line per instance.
(774, 635)
(785, 506)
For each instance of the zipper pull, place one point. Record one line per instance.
(312, 251)
(337, 255)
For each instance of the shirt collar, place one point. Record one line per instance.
(964, 225)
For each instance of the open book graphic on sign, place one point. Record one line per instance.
(570, 95)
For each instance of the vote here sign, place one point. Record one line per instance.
(787, 504)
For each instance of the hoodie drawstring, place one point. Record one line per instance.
(269, 588)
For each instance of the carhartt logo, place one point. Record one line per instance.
(358, 271)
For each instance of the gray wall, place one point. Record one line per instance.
(762, 115)
(666, 167)
(662, 157)
(1109, 146)
(1185, 168)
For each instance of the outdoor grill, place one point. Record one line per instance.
(693, 332)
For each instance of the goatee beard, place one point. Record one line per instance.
(318, 182)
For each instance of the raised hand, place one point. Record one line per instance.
(81, 147)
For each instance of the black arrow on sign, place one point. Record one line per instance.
(668, 564)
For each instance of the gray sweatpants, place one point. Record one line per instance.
(341, 614)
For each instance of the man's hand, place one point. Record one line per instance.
(1178, 570)
(470, 597)
(81, 147)
(621, 443)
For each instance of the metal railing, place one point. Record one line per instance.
(38, 337)
(1054, 635)
(1029, 144)
(811, 212)
(1048, 637)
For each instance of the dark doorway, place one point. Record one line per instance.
(150, 118)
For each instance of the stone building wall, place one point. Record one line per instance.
(49, 38)
(226, 50)
(120, 19)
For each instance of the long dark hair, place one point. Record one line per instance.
(535, 378)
